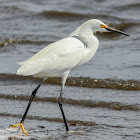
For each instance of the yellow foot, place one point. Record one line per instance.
(22, 127)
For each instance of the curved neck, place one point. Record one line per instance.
(83, 31)
(85, 34)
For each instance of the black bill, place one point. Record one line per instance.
(117, 31)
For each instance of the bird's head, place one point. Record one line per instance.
(94, 25)
(98, 25)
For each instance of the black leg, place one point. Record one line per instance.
(21, 124)
(61, 108)
(30, 101)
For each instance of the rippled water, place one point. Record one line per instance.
(101, 100)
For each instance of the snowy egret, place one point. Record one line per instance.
(58, 58)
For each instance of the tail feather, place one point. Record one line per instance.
(21, 63)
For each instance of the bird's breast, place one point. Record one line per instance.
(89, 52)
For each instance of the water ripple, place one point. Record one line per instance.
(87, 82)
(84, 103)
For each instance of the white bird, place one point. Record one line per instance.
(58, 58)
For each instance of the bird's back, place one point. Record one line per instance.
(54, 59)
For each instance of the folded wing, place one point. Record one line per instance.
(56, 58)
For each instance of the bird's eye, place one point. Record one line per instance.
(103, 26)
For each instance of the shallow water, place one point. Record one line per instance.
(101, 98)
(96, 113)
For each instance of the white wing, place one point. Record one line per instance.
(57, 57)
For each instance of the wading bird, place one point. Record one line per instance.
(58, 58)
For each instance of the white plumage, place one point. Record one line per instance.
(63, 55)
(58, 58)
